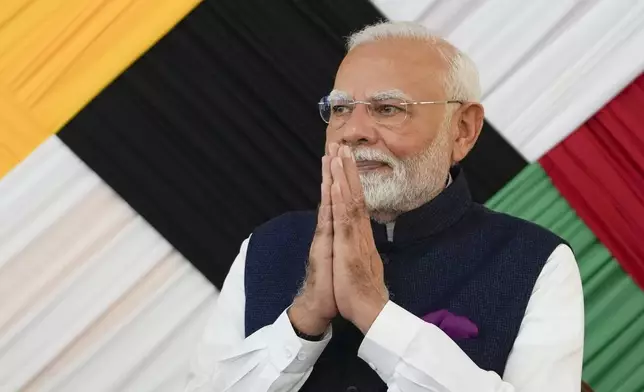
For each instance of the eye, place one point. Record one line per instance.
(388, 109)
(340, 109)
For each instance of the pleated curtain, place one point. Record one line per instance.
(56, 56)
(216, 128)
(614, 304)
(93, 298)
(600, 171)
(141, 141)
(546, 66)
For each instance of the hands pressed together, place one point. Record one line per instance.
(344, 272)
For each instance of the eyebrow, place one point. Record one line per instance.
(377, 96)
(390, 94)
(339, 94)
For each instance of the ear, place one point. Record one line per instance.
(469, 122)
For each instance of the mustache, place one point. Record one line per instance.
(371, 154)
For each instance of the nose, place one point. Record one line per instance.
(359, 128)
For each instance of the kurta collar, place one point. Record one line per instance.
(431, 218)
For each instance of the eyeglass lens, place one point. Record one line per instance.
(336, 112)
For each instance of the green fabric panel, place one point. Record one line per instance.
(614, 348)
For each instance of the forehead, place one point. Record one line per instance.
(411, 67)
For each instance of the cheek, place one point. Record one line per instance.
(408, 143)
(333, 135)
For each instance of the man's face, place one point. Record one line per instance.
(401, 166)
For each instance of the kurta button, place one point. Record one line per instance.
(353, 389)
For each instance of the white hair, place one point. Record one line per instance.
(412, 181)
(462, 79)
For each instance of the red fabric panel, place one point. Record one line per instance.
(599, 169)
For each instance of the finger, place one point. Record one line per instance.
(341, 224)
(327, 180)
(324, 227)
(325, 221)
(333, 149)
(325, 215)
(353, 177)
(337, 173)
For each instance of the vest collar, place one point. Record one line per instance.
(431, 218)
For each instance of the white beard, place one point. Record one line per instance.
(412, 182)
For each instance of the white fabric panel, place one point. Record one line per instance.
(546, 66)
(93, 298)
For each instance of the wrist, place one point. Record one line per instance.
(310, 338)
(367, 309)
(305, 319)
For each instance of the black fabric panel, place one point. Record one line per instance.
(215, 129)
(491, 164)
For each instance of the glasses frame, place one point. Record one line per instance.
(404, 103)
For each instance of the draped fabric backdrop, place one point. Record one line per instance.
(55, 58)
(546, 66)
(180, 126)
(614, 305)
(215, 130)
(93, 297)
(600, 170)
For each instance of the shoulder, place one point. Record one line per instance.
(509, 222)
(288, 222)
(288, 228)
(519, 233)
(278, 250)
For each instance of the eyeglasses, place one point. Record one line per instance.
(389, 112)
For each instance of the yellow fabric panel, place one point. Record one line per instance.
(19, 132)
(56, 55)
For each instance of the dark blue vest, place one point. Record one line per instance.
(449, 254)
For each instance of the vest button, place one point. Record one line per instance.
(352, 389)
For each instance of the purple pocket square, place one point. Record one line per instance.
(456, 327)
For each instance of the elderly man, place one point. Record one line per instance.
(399, 282)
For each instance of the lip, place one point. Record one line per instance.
(370, 165)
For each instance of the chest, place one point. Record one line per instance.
(486, 287)
(489, 282)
